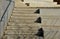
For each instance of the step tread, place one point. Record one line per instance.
(25, 15)
(23, 18)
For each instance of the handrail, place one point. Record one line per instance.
(5, 11)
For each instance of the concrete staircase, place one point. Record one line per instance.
(22, 25)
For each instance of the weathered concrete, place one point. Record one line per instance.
(22, 23)
(42, 3)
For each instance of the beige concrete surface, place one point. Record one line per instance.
(42, 3)
(22, 23)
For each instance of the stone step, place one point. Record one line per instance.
(25, 11)
(20, 30)
(24, 15)
(23, 18)
(23, 30)
(29, 9)
(24, 22)
(27, 36)
(26, 8)
(38, 15)
(42, 4)
(38, 0)
(22, 25)
(20, 9)
(14, 23)
(44, 21)
(31, 27)
(30, 21)
(47, 34)
(19, 4)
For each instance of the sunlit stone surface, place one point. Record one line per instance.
(22, 21)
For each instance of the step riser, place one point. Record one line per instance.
(25, 26)
(14, 23)
(33, 25)
(24, 15)
(25, 8)
(22, 21)
(25, 11)
(24, 18)
(21, 24)
(31, 28)
(16, 9)
(25, 22)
